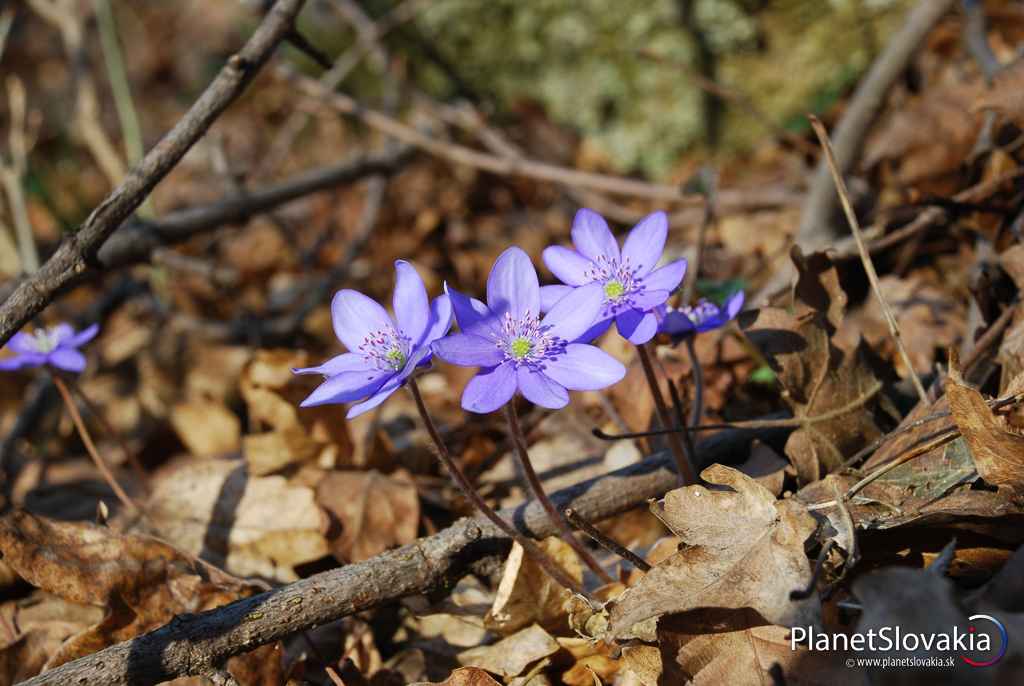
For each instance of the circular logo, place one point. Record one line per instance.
(1004, 641)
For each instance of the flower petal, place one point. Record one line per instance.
(734, 304)
(550, 295)
(540, 390)
(490, 389)
(346, 362)
(355, 316)
(9, 364)
(637, 327)
(468, 350)
(22, 342)
(382, 394)
(440, 320)
(471, 314)
(677, 324)
(646, 242)
(648, 300)
(513, 286)
(68, 359)
(567, 265)
(82, 337)
(592, 237)
(585, 368)
(410, 301)
(666, 278)
(594, 331)
(575, 313)
(346, 387)
(60, 333)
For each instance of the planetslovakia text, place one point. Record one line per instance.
(889, 638)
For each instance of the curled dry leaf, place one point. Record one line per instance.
(297, 435)
(834, 391)
(743, 549)
(692, 652)
(527, 595)
(250, 525)
(376, 512)
(464, 676)
(140, 582)
(997, 448)
(43, 625)
(511, 656)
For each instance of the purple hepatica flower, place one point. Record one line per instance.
(56, 346)
(383, 352)
(518, 350)
(630, 284)
(704, 316)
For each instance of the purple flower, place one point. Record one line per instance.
(383, 352)
(56, 346)
(518, 350)
(631, 287)
(704, 316)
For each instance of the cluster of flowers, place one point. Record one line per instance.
(527, 338)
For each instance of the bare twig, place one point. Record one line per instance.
(816, 224)
(78, 251)
(812, 583)
(504, 166)
(12, 171)
(869, 267)
(606, 542)
(537, 489)
(192, 643)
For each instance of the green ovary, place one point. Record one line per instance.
(520, 348)
(396, 358)
(613, 290)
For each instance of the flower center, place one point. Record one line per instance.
(385, 349)
(701, 312)
(619, 278)
(520, 348)
(46, 340)
(613, 290)
(525, 341)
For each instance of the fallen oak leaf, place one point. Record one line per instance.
(511, 656)
(141, 582)
(463, 676)
(996, 447)
(743, 549)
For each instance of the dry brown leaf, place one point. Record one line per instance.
(592, 659)
(206, 428)
(643, 662)
(527, 595)
(43, 623)
(272, 395)
(836, 391)
(744, 657)
(141, 582)
(743, 549)
(250, 525)
(464, 676)
(997, 448)
(511, 656)
(376, 512)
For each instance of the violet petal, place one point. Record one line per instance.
(540, 390)
(592, 237)
(646, 242)
(489, 389)
(567, 265)
(584, 368)
(355, 317)
(468, 350)
(410, 301)
(575, 313)
(512, 286)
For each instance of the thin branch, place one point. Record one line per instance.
(869, 266)
(504, 166)
(78, 251)
(684, 464)
(193, 643)
(606, 542)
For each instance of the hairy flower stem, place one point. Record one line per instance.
(698, 384)
(554, 514)
(540, 557)
(130, 457)
(683, 463)
(90, 447)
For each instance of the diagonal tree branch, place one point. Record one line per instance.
(78, 251)
(193, 644)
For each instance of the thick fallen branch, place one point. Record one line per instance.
(197, 644)
(78, 251)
